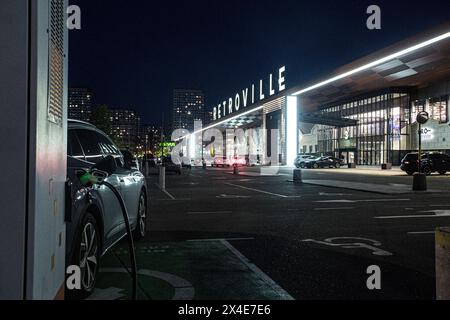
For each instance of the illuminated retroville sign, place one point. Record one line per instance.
(251, 95)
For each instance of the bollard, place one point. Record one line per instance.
(419, 182)
(297, 176)
(235, 170)
(443, 264)
(162, 177)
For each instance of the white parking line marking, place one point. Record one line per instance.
(165, 192)
(275, 287)
(225, 239)
(257, 190)
(382, 200)
(210, 212)
(336, 201)
(413, 216)
(355, 201)
(433, 214)
(421, 232)
(168, 194)
(334, 194)
(341, 208)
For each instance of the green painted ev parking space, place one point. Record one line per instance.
(185, 271)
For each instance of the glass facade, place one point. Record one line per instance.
(436, 108)
(377, 138)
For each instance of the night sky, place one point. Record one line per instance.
(133, 53)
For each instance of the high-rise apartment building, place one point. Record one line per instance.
(188, 106)
(125, 127)
(80, 104)
(150, 138)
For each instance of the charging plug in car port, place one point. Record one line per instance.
(97, 176)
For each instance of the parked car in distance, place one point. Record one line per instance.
(410, 163)
(94, 217)
(130, 160)
(170, 165)
(436, 162)
(323, 162)
(238, 161)
(221, 161)
(301, 159)
(150, 159)
(430, 163)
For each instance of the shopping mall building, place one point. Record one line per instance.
(364, 112)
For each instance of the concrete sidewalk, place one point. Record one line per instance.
(191, 270)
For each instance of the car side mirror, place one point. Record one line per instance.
(107, 164)
(128, 160)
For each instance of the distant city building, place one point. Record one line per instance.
(150, 138)
(125, 127)
(80, 104)
(188, 106)
(209, 117)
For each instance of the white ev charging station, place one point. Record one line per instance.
(33, 142)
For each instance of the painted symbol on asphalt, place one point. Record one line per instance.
(358, 243)
(183, 289)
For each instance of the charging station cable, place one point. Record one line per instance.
(90, 178)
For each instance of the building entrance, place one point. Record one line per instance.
(348, 156)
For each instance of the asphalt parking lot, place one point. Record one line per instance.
(215, 235)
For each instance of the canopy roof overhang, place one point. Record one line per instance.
(429, 62)
(415, 69)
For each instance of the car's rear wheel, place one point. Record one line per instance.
(315, 166)
(141, 223)
(338, 165)
(86, 256)
(442, 172)
(426, 170)
(409, 173)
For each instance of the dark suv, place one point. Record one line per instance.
(431, 162)
(410, 163)
(436, 162)
(95, 220)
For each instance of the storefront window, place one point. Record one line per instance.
(376, 138)
(436, 108)
(439, 109)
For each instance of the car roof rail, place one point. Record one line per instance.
(80, 122)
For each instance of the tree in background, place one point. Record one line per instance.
(101, 118)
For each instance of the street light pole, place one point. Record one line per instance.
(419, 179)
(420, 149)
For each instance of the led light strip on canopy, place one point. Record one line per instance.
(342, 76)
(375, 63)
